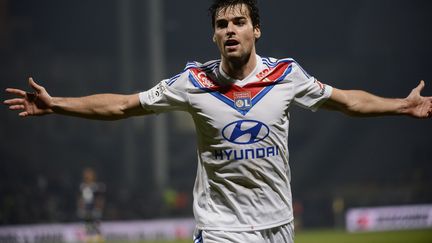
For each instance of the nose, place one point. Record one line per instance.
(230, 30)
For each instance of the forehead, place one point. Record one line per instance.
(232, 11)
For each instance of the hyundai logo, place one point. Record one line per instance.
(245, 132)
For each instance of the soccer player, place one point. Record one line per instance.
(91, 203)
(239, 105)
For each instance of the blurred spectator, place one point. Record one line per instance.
(91, 204)
(338, 207)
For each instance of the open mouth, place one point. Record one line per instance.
(231, 43)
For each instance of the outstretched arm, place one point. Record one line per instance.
(99, 106)
(361, 103)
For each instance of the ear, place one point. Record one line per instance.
(257, 32)
(214, 38)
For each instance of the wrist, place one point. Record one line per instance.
(54, 104)
(405, 107)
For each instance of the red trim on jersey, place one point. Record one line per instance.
(268, 77)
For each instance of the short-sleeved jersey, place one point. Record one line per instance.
(243, 175)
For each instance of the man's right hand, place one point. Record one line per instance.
(30, 104)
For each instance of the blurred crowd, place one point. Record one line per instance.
(57, 198)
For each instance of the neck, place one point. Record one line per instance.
(239, 68)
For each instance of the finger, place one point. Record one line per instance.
(16, 92)
(420, 87)
(15, 101)
(23, 114)
(34, 85)
(16, 107)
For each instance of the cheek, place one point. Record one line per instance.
(219, 44)
(250, 38)
(249, 35)
(217, 39)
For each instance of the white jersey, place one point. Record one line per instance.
(243, 175)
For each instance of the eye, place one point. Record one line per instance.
(240, 22)
(221, 24)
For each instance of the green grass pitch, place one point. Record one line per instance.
(327, 236)
(332, 236)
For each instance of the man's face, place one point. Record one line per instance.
(234, 33)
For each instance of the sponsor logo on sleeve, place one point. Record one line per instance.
(156, 92)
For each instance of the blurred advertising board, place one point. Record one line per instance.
(389, 218)
(163, 229)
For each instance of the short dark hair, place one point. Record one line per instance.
(221, 4)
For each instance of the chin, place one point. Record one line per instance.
(234, 56)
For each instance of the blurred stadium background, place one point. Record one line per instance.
(77, 48)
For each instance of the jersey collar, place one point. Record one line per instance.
(250, 78)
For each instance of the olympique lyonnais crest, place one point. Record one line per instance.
(242, 100)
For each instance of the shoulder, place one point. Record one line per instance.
(272, 62)
(290, 63)
(208, 66)
(283, 69)
(194, 68)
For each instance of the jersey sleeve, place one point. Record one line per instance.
(167, 95)
(309, 93)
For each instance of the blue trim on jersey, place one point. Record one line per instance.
(210, 66)
(268, 62)
(267, 89)
(227, 101)
(206, 67)
(189, 65)
(271, 64)
(215, 93)
(173, 79)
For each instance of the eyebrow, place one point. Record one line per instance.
(233, 19)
